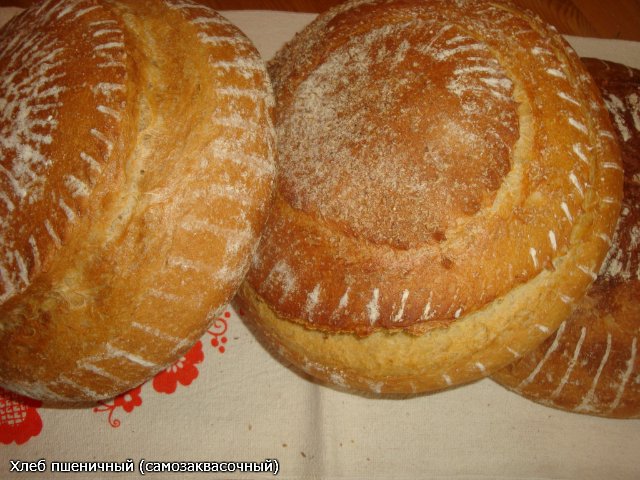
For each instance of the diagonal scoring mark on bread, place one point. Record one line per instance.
(218, 40)
(259, 164)
(313, 298)
(542, 328)
(552, 240)
(344, 300)
(588, 271)
(578, 125)
(572, 363)
(373, 307)
(565, 96)
(585, 405)
(107, 88)
(90, 367)
(158, 333)
(283, 275)
(188, 5)
(617, 107)
(113, 352)
(109, 111)
(427, 312)
(626, 375)
(612, 166)
(605, 238)
(578, 149)
(611, 200)
(205, 20)
(7, 201)
(576, 183)
(552, 348)
(106, 31)
(76, 187)
(22, 267)
(52, 233)
(18, 190)
(84, 11)
(104, 139)
(67, 210)
(556, 73)
(109, 46)
(101, 23)
(35, 252)
(246, 68)
(566, 298)
(86, 391)
(514, 353)
(403, 303)
(169, 297)
(566, 211)
(633, 100)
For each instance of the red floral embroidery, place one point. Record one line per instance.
(19, 418)
(184, 371)
(217, 330)
(127, 401)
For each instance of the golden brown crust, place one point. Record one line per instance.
(37, 217)
(343, 253)
(591, 365)
(155, 172)
(349, 199)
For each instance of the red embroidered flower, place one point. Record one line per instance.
(127, 401)
(217, 330)
(184, 371)
(19, 418)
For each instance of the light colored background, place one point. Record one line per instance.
(245, 406)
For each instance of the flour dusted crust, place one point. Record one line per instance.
(591, 365)
(136, 150)
(448, 186)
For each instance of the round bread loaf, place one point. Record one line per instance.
(136, 150)
(591, 365)
(448, 186)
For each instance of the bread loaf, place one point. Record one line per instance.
(591, 364)
(136, 152)
(448, 186)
